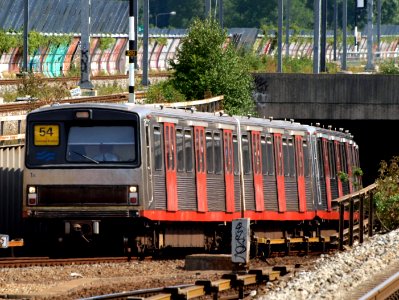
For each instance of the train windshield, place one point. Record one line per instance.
(101, 144)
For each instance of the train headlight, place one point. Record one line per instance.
(32, 195)
(133, 195)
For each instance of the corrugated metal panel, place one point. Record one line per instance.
(291, 194)
(11, 166)
(216, 191)
(249, 192)
(159, 192)
(270, 193)
(63, 16)
(186, 193)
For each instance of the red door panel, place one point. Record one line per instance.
(349, 166)
(327, 173)
(339, 167)
(228, 169)
(300, 173)
(170, 166)
(257, 171)
(279, 161)
(200, 168)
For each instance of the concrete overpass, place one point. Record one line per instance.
(327, 96)
(366, 105)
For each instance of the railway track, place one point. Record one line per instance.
(30, 105)
(23, 262)
(383, 286)
(75, 79)
(234, 285)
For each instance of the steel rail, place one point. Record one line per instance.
(389, 289)
(45, 261)
(133, 293)
(76, 78)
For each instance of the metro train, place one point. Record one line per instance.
(178, 177)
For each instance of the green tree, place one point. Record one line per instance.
(8, 41)
(204, 67)
(387, 194)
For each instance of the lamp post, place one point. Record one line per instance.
(160, 14)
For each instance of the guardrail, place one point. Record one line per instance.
(12, 124)
(213, 104)
(353, 218)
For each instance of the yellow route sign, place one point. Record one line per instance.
(46, 135)
(131, 53)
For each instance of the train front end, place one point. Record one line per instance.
(82, 169)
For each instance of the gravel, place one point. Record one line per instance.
(330, 276)
(339, 276)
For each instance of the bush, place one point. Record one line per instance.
(387, 194)
(164, 92)
(205, 66)
(389, 67)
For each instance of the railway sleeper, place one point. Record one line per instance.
(302, 243)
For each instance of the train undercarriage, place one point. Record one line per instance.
(141, 237)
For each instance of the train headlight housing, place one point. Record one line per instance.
(133, 195)
(32, 195)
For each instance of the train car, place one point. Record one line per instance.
(151, 177)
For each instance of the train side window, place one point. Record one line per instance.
(291, 157)
(306, 158)
(246, 157)
(278, 153)
(218, 153)
(331, 156)
(320, 157)
(235, 152)
(344, 163)
(209, 152)
(157, 148)
(180, 150)
(264, 155)
(228, 152)
(286, 158)
(188, 150)
(270, 155)
(200, 145)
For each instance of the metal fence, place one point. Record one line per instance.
(11, 168)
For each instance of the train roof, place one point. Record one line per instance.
(188, 114)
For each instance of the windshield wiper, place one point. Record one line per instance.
(87, 157)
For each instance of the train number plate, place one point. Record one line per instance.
(47, 135)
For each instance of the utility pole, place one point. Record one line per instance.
(323, 40)
(378, 27)
(335, 28)
(287, 28)
(316, 38)
(136, 18)
(221, 13)
(344, 25)
(280, 37)
(207, 8)
(370, 65)
(26, 40)
(85, 82)
(144, 80)
(132, 52)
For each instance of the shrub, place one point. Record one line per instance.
(389, 67)
(387, 194)
(164, 92)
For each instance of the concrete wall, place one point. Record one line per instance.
(327, 96)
